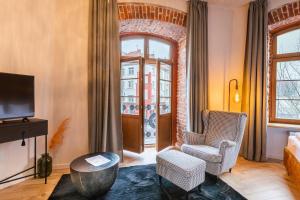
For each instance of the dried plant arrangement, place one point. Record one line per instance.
(58, 136)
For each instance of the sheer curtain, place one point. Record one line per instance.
(197, 64)
(104, 78)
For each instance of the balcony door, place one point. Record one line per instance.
(132, 104)
(164, 112)
(146, 93)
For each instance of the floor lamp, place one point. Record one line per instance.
(236, 96)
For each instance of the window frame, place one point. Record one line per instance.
(146, 56)
(274, 59)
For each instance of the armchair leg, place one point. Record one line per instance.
(159, 178)
(187, 196)
(199, 188)
(217, 178)
(230, 170)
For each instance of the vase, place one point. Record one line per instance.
(44, 161)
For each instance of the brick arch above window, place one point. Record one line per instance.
(152, 19)
(151, 11)
(153, 27)
(284, 15)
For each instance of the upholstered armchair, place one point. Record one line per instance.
(220, 142)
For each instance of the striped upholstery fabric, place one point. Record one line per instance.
(207, 153)
(183, 170)
(213, 168)
(193, 138)
(205, 118)
(220, 142)
(222, 126)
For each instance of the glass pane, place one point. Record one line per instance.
(289, 70)
(165, 89)
(288, 109)
(129, 87)
(150, 72)
(130, 69)
(150, 84)
(288, 90)
(159, 49)
(289, 42)
(165, 72)
(165, 105)
(132, 47)
(130, 105)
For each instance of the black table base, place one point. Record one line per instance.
(20, 130)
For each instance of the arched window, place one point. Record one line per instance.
(285, 76)
(148, 47)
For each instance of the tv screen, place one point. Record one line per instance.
(16, 96)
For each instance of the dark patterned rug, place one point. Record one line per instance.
(141, 183)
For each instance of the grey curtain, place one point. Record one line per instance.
(254, 85)
(104, 78)
(197, 64)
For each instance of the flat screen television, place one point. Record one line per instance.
(16, 96)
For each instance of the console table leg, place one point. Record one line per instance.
(46, 158)
(34, 157)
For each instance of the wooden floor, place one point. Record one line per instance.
(257, 181)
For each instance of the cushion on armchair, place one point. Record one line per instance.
(207, 153)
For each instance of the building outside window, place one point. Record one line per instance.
(131, 71)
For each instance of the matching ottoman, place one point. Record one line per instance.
(183, 170)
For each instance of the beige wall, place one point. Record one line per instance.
(47, 39)
(70, 76)
(226, 45)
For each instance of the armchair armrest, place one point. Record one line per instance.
(229, 154)
(227, 143)
(193, 138)
(227, 148)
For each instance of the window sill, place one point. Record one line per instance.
(280, 125)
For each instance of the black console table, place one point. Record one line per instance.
(21, 130)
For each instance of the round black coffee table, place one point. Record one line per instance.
(92, 180)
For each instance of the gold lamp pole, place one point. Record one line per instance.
(237, 96)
